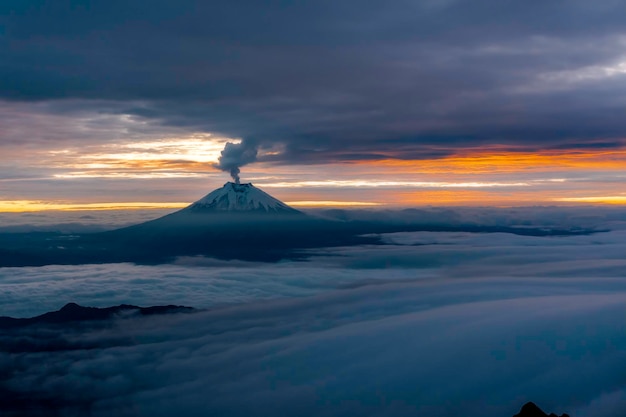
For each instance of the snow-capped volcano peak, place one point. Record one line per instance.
(233, 197)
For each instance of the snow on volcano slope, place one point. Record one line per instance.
(234, 197)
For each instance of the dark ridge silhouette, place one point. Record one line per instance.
(530, 409)
(74, 313)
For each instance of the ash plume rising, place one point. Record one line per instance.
(236, 155)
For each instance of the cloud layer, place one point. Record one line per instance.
(428, 324)
(321, 81)
(202, 282)
(437, 348)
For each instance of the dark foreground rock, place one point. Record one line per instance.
(530, 409)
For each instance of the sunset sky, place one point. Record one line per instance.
(457, 172)
(128, 104)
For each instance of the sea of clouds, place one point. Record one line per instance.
(429, 324)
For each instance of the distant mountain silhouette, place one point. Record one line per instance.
(236, 221)
(74, 313)
(530, 409)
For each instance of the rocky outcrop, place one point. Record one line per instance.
(530, 409)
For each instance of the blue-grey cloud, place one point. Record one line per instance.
(437, 348)
(325, 81)
(429, 323)
(203, 282)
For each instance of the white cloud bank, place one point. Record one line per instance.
(203, 283)
(435, 348)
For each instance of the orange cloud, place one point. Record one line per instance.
(486, 176)
(509, 162)
(611, 199)
(19, 206)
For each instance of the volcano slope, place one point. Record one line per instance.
(236, 221)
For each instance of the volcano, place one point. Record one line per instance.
(236, 221)
(229, 206)
(240, 198)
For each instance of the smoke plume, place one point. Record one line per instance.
(236, 155)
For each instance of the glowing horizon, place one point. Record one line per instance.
(468, 198)
(171, 172)
(186, 157)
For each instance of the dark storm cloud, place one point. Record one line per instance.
(327, 80)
